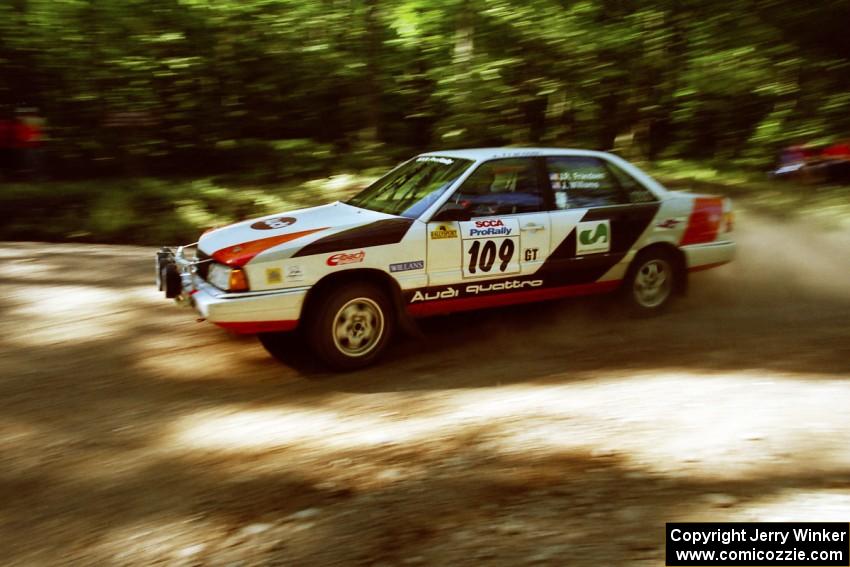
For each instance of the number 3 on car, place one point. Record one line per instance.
(445, 232)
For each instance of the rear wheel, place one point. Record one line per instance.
(351, 326)
(650, 283)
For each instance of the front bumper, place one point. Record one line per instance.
(248, 312)
(243, 312)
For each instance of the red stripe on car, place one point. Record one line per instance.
(469, 303)
(704, 222)
(241, 254)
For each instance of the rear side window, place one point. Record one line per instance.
(634, 190)
(583, 182)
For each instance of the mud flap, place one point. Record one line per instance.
(406, 323)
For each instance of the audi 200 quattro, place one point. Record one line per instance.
(450, 231)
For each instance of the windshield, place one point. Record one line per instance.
(412, 187)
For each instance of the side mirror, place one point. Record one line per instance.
(452, 212)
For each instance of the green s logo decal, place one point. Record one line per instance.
(588, 240)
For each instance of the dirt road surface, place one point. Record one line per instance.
(559, 433)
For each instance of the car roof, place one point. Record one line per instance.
(479, 154)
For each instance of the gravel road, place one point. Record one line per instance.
(560, 433)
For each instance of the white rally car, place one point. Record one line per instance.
(450, 231)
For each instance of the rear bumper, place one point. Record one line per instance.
(248, 312)
(708, 255)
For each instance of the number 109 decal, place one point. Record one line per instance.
(490, 247)
(490, 256)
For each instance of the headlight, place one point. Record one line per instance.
(227, 278)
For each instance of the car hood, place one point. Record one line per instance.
(283, 234)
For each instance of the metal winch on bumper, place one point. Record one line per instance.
(174, 272)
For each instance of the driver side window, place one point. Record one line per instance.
(501, 187)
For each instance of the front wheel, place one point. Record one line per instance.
(351, 326)
(650, 283)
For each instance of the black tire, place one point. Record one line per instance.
(351, 326)
(651, 282)
(279, 344)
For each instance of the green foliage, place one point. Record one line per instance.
(153, 211)
(284, 88)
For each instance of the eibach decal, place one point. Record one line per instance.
(343, 258)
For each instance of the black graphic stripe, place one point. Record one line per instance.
(564, 267)
(378, 233)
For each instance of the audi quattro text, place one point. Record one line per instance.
(450, 231)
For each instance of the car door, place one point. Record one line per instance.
(600, 213)
(506, 231)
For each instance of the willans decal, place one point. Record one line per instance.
(407, 266)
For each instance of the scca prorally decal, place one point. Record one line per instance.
(475, 289)
(490, 227)
(343, 258)
(407, 266)
(272, 224)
